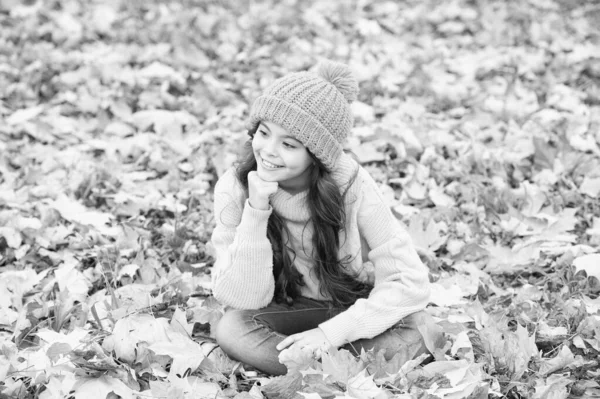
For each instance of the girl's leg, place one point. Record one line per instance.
(404, 337)
(251, 336)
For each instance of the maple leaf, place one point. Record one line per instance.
(186, 354)
(207, 310)
(590, 186)
(58, 386)
(564, 358)
(507, 260)
(369, 152)
(453, 370)
(99, 388)
(127, 270)
(442, 296)
(462, 345)
(71, 340)
(32, 363)
(519, 349)
(179, 323)
(341, 365)
(297, 359)
(590, 263)
(165, 123)
(216, 361)
(361, 386)
(451, 379)
(427, 234)
(12, 236)
(73, 211)
(130, 331)
(284, 387)
(16, 283)
(71, 280)
(554, 387)
(592, 305)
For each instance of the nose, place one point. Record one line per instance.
(270, 146)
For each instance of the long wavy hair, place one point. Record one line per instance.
(328, 216)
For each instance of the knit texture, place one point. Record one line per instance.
(381, 250)
(313, 106)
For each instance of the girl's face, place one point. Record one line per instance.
(280, 157)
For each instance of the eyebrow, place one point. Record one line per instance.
(287, 136)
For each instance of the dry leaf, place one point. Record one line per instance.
(590, 263)
(99, 388)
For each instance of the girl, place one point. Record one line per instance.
(307, 251)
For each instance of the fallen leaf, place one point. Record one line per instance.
(71, 280)
(447, 296)
(426, 233)
(368, 152)
(12, 236)
(131, 330)
(179, 323)
(207, 310)
(590, 186)
(554, 387)
(563, 359)
(590, 263)
(297, 359)
(73, 211)
(186, 354)
(99, 388)
(462, 341)
(128, 270)
(341, 364)
(72, 339)
(25, 114)
(362, 386)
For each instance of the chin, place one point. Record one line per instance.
(266, 176)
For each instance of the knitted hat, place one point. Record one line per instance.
(313, 106)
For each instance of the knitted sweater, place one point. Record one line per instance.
(380, 249)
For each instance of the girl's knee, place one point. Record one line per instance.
(231, 327)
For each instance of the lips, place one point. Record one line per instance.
(269, 165)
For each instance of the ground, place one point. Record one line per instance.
(480, 120)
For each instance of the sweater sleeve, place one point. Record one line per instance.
(401, 279)
(242, 276)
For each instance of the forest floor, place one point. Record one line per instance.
(479, 119)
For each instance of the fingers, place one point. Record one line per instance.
(260, 191)
(285, 343)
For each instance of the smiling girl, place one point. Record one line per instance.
(307, 251)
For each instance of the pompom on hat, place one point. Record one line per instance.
(313, 106)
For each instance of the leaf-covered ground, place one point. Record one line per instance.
(480, 119)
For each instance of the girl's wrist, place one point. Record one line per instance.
(258, 206)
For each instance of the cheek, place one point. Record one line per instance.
(256, 146)
(307, 160)
(302, 162)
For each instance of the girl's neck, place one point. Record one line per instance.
(293, 189)
(297, 184)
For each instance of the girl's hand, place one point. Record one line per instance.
(260, 191)
(314, 339)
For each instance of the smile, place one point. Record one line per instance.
(269, 165)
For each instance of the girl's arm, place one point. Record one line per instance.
(401, 279)
(242, 275)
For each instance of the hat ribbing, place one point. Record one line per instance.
(314, 107)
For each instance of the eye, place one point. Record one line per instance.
(262, 133)
(288, 145)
